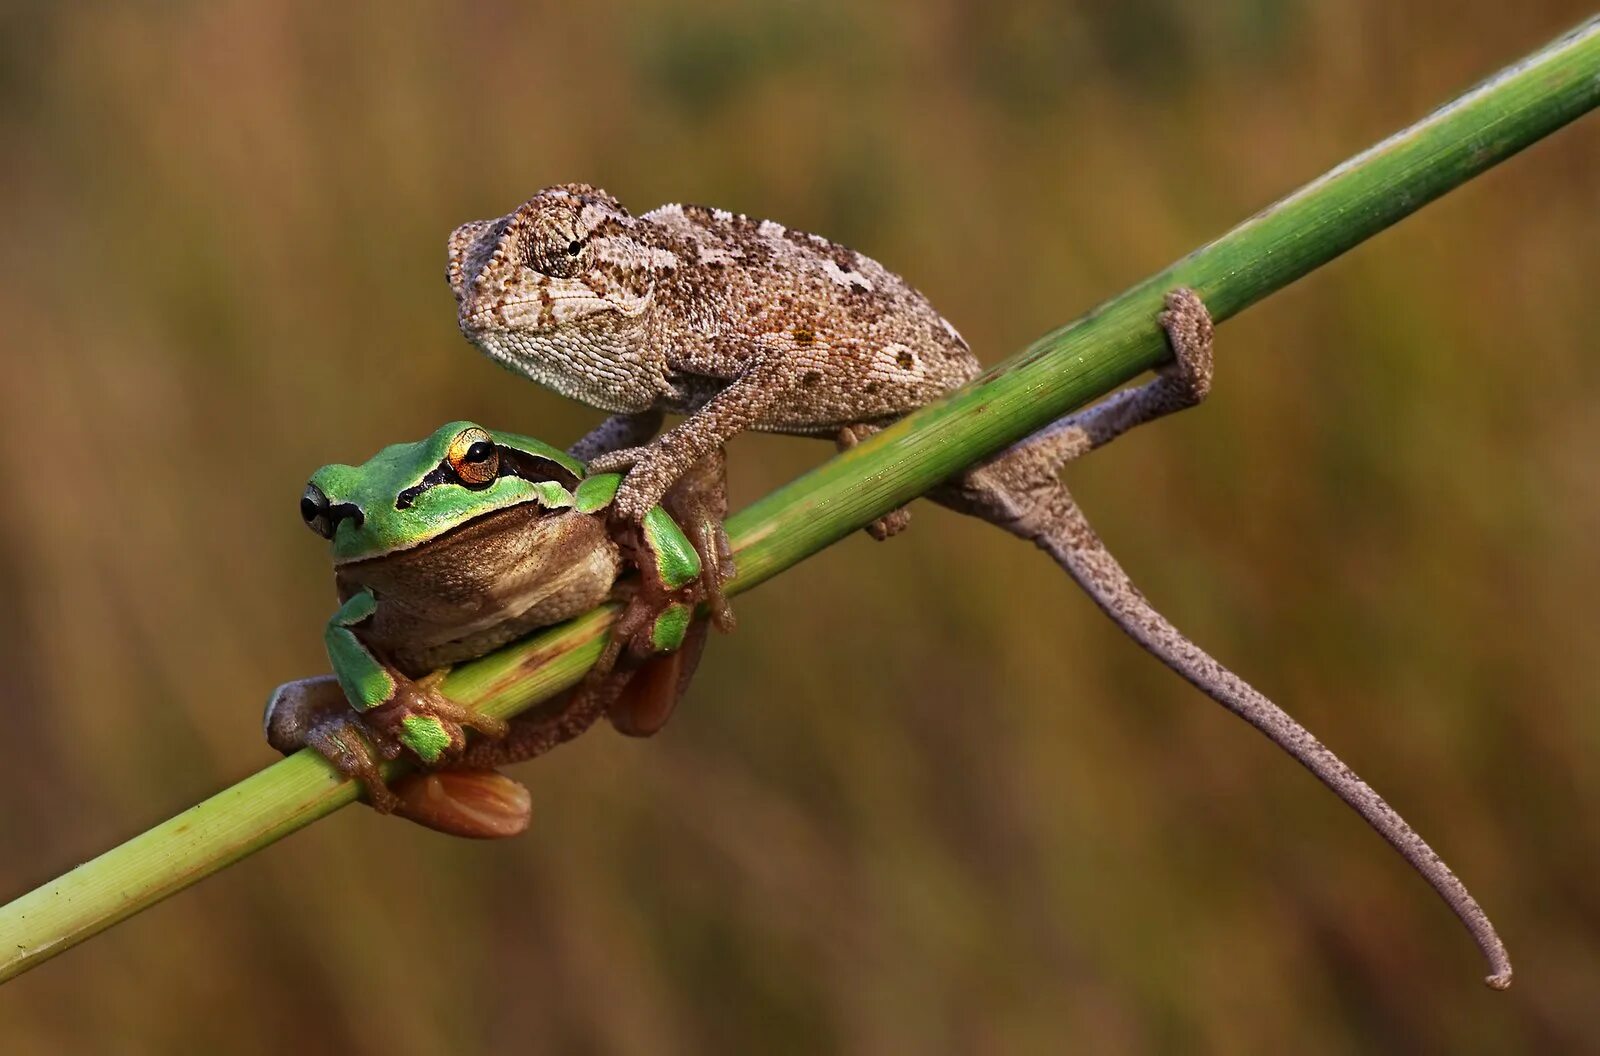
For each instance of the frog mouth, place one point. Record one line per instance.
(489, 526)
(552, 486)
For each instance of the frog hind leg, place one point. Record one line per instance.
(638, 696)
(531, 735)
(1019, 490)
(473, 803)
(649, 694)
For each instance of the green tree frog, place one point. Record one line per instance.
(449, 547)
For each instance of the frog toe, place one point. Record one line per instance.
(346, 744)
(296, 707)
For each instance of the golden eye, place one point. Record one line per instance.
(474, 457)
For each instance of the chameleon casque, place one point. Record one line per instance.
(745, 324)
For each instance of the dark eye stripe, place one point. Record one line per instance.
(513, 463)
(440, 474)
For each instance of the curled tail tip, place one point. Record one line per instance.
(1494, 952)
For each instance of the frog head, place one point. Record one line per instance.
(410, 494)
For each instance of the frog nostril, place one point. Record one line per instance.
(344, 511)
(314, 511)
(323, 516)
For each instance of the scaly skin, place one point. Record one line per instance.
(744, 324)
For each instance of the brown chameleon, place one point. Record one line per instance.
(745, 324)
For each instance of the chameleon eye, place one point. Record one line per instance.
(473, 457)
(574, 248)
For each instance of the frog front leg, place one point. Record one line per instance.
(388, 712)
(698, 503)
(314, 713)
(467, 802)
(680, 551)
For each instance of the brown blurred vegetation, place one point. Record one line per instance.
(927, 799)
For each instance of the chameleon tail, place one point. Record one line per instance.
(1019, 491)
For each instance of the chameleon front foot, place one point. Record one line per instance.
(698, 502)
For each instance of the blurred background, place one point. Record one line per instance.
(927, 799)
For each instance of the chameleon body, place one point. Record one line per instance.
(746, 324)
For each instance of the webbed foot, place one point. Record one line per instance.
(313, 713)
(424, 721)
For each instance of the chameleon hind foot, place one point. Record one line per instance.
(895, 521)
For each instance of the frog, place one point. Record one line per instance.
(447, 548)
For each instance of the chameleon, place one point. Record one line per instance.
(744, 324)
(449, 547)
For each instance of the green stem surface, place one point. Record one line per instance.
(1058, 373)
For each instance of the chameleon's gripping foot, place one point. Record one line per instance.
(1189, 331)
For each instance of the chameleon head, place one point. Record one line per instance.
(560, 289)
(565, 255)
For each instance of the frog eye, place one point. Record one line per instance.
(473, 457)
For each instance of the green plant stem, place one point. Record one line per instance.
(1058, 373)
